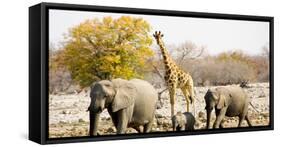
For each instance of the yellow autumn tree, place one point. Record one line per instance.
(107, 48)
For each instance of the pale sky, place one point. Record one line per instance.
(217, 35)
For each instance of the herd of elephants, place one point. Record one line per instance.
(132, 103)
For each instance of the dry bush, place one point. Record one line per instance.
(226, 68)
(154, 78)
(261, 65)
(59, 80)
(188, 51)
(209, 71)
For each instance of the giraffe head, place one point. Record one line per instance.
(157, 35)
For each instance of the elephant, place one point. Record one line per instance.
(228, 101)
(129, 103)
(183, 121)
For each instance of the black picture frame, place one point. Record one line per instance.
(38, 70)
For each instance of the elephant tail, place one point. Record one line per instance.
(254, 107)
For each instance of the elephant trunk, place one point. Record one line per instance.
(208, 118)
(174, 123)
(174, 127)
(94, 120)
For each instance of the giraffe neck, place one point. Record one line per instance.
(164, 51)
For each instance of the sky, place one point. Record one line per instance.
(216, 35)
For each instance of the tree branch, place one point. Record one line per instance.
(157, 72)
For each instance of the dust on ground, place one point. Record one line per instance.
(68, 116)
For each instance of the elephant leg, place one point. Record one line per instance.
(241, 119)
(243, 116)
(191, 128)
(172, 92)
(220, 114)
(209, 114)
(187, 97)
(147, 127)
(221, 126)
(114, 118)
(122, 122)
(248, 120)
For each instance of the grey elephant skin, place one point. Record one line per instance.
(129, 103)
(183, 121)
(228, 101)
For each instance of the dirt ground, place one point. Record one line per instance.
(68, 116)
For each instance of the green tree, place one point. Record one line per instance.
(107, 48)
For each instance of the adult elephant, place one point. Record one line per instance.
(228, 101)
(129, 103)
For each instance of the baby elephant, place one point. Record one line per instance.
(228, 101)
(183, 121)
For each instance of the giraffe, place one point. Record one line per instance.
(175, 77)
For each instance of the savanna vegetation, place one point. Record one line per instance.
(101, 49)
(123, 48)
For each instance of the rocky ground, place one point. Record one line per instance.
(68, 116)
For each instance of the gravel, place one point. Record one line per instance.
(68, 116)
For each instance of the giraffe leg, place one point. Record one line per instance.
(186, 95)
(172, 92)
(191, 90)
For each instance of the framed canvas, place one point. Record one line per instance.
(106, 73)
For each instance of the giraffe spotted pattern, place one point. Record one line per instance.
(174, 76)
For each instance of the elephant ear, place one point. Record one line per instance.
(125, 95)
(221, 102)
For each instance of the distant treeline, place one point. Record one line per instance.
(123, 48)
(233, 67)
